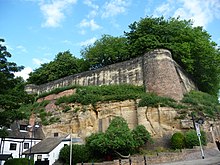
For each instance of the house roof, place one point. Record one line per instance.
(5, 156)
(45, 146)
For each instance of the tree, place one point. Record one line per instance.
(12, 93)
(140, 135)
(7, 69)
(80, 153)
(190, 46)
(63, 65)
(105, 51)
(119, 137)
(177, 141)
(191, 138)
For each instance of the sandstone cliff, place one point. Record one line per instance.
(83, 120)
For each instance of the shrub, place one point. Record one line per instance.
(177, 141)
(19, 161)
(191, 139)
(140, 135)
(151, 99)
(80, 153)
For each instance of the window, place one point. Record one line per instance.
(12, 146)
(39, 157)
(23, 127)
(26, 145)
(55, 134)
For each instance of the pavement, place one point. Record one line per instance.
(210, 160)
(207, 161)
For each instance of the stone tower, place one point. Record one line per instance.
(161, 75)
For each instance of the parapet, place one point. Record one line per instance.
(156, 70)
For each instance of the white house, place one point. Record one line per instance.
(48, 149)
(15, 147)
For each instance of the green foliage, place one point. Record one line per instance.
(140, 135)
(63, 65)
(191, 47)
(191, 139)
(57, 90)
(92, 94)
(106, 51)
(19, 161)
(97, 145)
(66, 108)
(177, 141)
(152, 100)
(3, 132)
(80, 153)
(12, 94)
(119, 137)
(203, 103)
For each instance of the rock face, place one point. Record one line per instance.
(156, 71)
(83, 120)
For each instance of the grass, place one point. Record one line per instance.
(202, 104)
(92, 94)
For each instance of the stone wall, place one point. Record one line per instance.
(156, 70)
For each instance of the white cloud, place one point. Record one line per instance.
(163, 9)
(54, 11)
(82, 32)
(22, 48)
(201, 12)
(40, 61)
(92, 14)
(90, 24)
(67, 42)
(88, 42)
(115, 7)
(91, 4)
(24, 73)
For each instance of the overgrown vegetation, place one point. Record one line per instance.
(188, 139)
(118, 139)
(191, 47)
(93, 94)
(19, 161)
(202, 104)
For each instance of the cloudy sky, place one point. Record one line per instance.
(36, 30)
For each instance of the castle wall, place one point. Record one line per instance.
(156, 70)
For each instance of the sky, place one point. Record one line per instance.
(35, 31)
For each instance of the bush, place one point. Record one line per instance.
(177, 141)
(19, 161)
(80, 153)
(191, 139)
(140, 135)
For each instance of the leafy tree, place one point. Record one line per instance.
(7, 69)
(140, 135)
(97, 144)
(80, 153)
(191, 138)
(12, 93)
(106, 51)
(177, 141)
(119, 137)
(63, 65)
(19, 161)
(190, 46)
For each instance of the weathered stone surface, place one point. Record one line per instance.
(156, 70)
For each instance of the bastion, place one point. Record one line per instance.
(155, 70)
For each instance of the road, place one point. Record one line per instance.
(215, 160)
